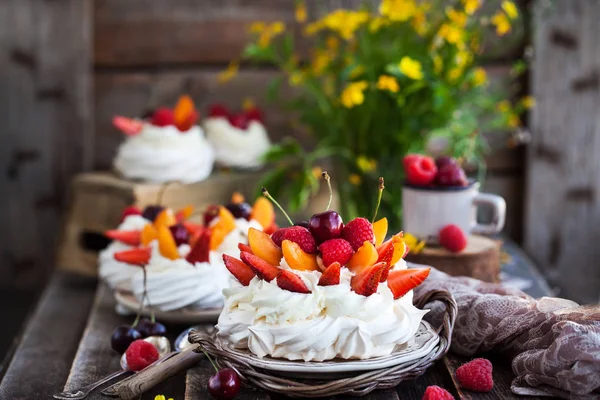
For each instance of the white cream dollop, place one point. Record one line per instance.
(330, 322)
(235, 147)
(164, 154)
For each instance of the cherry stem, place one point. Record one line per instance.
(265, 193)
(381, 187)
(326, 176)
(143, 301)
(161, 192)
(210, 359)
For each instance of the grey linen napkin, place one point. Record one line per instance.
(554, 343)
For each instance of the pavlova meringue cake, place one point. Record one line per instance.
(239, 140)
(323, 292)
(167, 147)
(185, 266)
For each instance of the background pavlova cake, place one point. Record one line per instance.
(166, 147)
(240, 140)
(320, 292)
(186, 266)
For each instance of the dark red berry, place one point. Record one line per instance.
(211, 213)
(240, 210)
(444, 160)
(163, 117)
(180, 234)
(240, 121)
(148, 328)
(218, 110)
(326, 225)
(451, 175)
(122, 337)
(151, 212)
(254, 114)
(303, 224)
(224, 385)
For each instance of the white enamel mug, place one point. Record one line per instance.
(426, 210)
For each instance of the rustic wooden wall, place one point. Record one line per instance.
(562, 224)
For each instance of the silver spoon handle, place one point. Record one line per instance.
(84, 391)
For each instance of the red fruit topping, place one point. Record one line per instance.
(453, 238)
(128, 126)
(189, 122)
(131, 238)
(409, 159)
(288, 280)
(279, 236)
(218, 110)
(211, 213)
(335, 250)
(402, 281)
(139, 256)
(163, 117)
(192, 228)
(254, 114)
(358, 231)
(131, 210)
(444, 160)
(331, 275)
(224, 385)
(476, 375)
(451, 175)
(271, 228)
(180, 234)
(245, 247)
(240, 121)
(326, 225)
(263, 269)
(140, 354)
(421, 171)
(296, 234)
(241, 271)
(185, 114)
(365, 282)
(200, 252)
(436, 393)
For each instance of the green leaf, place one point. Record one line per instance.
(288, 147)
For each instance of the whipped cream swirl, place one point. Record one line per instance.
(235, 147)
(164, 154)
(330, 322)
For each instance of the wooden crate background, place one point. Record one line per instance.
(66, 66)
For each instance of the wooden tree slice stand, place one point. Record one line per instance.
(480, 259)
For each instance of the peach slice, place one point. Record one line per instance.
(297, 258)
(183, 109)
(149, 233)
(365, 256)
(380, 229)
(263, 247)
(395, 246)
(226, 220)
(263, 212)
(184, 213)
(399, 249)
(166, 243)
(217, 237)
(237, 198)
(165, 218)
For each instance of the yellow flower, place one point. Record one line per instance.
(355, 179)
(419, 23)
(471, 6)
(353, 94)
(300, 11)
(398, 10)
(457, 17)
(229, 73)
(454, 74)
(463, 58)
(296, 78)
(257, 27)
(345, 22)
(438, 64)
(528, 102)
(415, 245)
(320, 61)
(316, 172)
(503, 106)
(365, 164)
(386, 82)
(411, 68)
(502, 23)
(269, 32)
(378, 22)
(277, 27)
(479, 76)
(356, 71)
(451, 34)
(247, 104)
(514, 121)
(161, 397)
(332, 42)
(313, 28)
(510, 9)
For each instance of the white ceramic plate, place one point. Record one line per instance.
(420, 346)
(187, 315)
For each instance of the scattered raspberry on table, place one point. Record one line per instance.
(476, 375)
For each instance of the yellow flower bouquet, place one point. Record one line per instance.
(373, 84)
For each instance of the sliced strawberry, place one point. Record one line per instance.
(402, 281)
(331, 275)
(131, 238)
(139, 256)
(241, 271)
(201, 250)
(386, 255)
(288, 280)
(128, 126)
(365, 283)
(263, 269)
(245, 247)
(193, 228)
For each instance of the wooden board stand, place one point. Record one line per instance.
(98, 199)
(480, 259)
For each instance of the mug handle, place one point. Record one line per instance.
(498, 206)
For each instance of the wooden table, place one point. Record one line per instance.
(68, 340)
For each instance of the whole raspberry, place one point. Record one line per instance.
(436, 393)
(131, 210)
(420, 171)
(335, 250)
(453, 238)
(451, 175)
(254, 114)
(296, 234)
(140, 354)
(163, 117)
(476, 375)
(218, 110)
(357, 232)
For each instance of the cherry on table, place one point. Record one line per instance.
(151, 212)
(224, 385)
(148, 328)
(122, 337)
(240, 210)
(326, 225)
(180, 234)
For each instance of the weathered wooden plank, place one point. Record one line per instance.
(46, 127)
(562, 204)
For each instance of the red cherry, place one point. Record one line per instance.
(254, 114)
(163, 117)
(218, 110)
(224, 385)
(211, 213)
(326, 225)
(240, 121)
(421, 172)
(180, 234)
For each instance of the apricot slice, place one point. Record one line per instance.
(395, 246)
(166, 243)
(399, 249)
(183, 109)
(149, 233)
(226, 220)
(365, 256)
(263, 212)
(217, 237)
(263, 247)
(297, 259)
(237, 198)
(184, 213)
(165, 218)
(380, 229)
